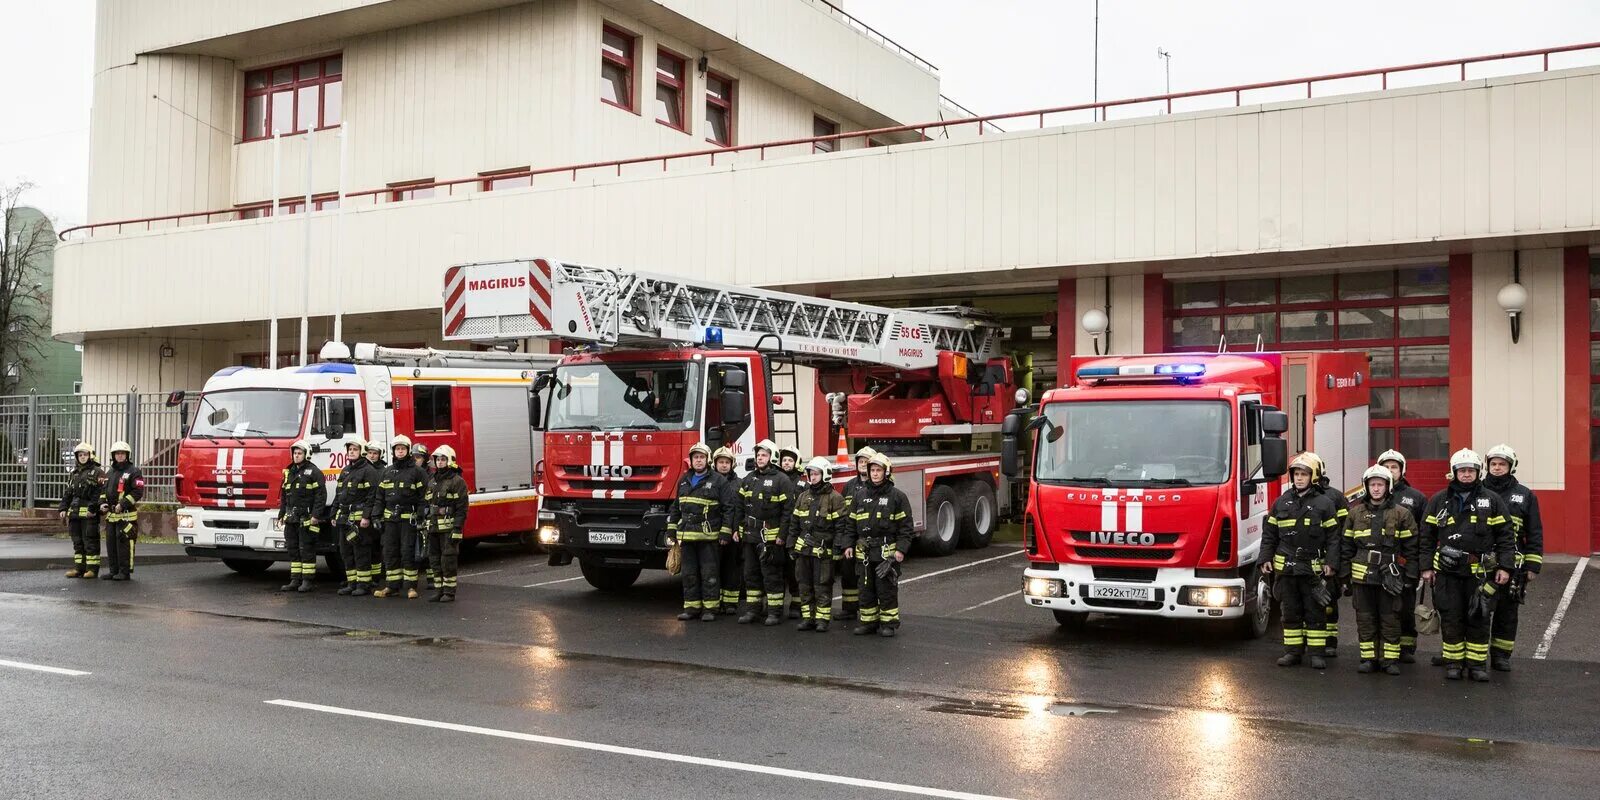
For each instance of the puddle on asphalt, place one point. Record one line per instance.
(973, 708)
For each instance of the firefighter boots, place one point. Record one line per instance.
(438, 595)
(1478, 674)
(1391, 668)
(73, 573)
(806, 625)
(345, 589)
(89, 575)
(708, 615)
(359, 591)
(1452, 672)
(293, 584)
(746, 618)
(865, 629)
(1501, 662)
(886, 631)
(1366, 666)
(686, 616)
(1289, 660)
(772, 619)
(1317, 661)
(384, 592)
(305, 585)
(821, 626)
(449, 596)
(411, 593)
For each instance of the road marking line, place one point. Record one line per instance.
(1561, 609)
(577, 744)
(987, 602)
(41, 668)
(476, 574)
(904, 581)
(550, 583)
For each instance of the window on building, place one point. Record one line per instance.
(616, 67)
(432, 408)
(258, 360)
(671, 87)
(294, 98)
(719, 109)
(823, 127)
(1399, 317)
(292, 205)
(506, 179)
(1594, 358)
(411, 190)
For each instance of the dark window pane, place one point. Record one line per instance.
(432, 408)
(334, 66)
(310, 70)
(1594, 439)
(1425, 443)
(669, 67)
(668, 109)
(1594, 358)
(255, 80)
(1594, 272)
(1196, 331)
(616, 44)
(1419, 321)
(1425, 281)
(1424, 402)
(1381, 361)
(1306, 326)
(822, 127)
(282, 75)
(1250, 293)
(717, 125)
(1366, 285)
(1366, 323)
(1245, 328)
(333, 103)
(305, 117)
(1307, 289)
(255, 116)
(1196, 295)
(1379, 440)
(1594, 399)
(614, 84)
(1424, 361)
(718, 89)
(1594, 314)
(282, 112)
(1381, 406)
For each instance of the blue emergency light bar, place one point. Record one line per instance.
(713, 336)
(1179, 372)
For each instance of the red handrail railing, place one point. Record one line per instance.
(1099, 110)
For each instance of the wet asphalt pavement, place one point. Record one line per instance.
(535, 685)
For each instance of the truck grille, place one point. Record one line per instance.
(642, 479)
(253, 493)
(1161, 538)
(1134, 574)
(1127, 553)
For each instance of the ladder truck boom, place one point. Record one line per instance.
(609, 306)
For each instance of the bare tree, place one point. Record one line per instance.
(24, 301)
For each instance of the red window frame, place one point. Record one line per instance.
(292, 205)
(506, 179)
(822, 126)
(724, 102)
(1594, 356)
(625, 61)
(678, 83)
(323, 78)
(1386, 430)
(411, 190)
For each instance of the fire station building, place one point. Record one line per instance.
(785, 144)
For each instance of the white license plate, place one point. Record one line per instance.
(608, 537)
(1102, 592)
(230, 538)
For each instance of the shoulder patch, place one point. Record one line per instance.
(1518, 498)
(1483, 502)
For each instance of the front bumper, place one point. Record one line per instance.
(1171, 594)
(609, 538)
(239, 534)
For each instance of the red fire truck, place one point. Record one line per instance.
(230, 465)
(1150, 477)
(663, 361)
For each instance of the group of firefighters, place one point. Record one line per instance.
(1478, 544)
(744, 543)
(94, 494)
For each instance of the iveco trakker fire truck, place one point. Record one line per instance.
(230, 465)
(1151, 475)
(663, 361)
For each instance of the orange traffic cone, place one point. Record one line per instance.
(843, 454)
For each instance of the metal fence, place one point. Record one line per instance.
(39, 431)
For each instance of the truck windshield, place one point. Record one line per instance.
(249, 413)
(648, 396)
(1136, 443)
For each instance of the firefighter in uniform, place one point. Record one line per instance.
(1379, 558)
(1330, 625)
(877, 533)
(1523, 509)
(447, 499)
(80, 508)
(789, 464)
(764, 498)
(1300, 544)
(696, 522)
(369, 530)
(397, 505)
(352, 490)
(419, 454)
(1468, 553)
(812, 530)
(845, 568)
(304, 506)
(1405, 496)
(119, 507)
(730, 571)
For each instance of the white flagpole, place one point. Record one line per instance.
(272, 272)
(305, 264)
(336, 264)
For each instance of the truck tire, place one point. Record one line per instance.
(608, 579)
(1257, 619)
(943, 530)
(1073, 621)
(977, 513)
(246, 566)
(468, 546)
(529, 542)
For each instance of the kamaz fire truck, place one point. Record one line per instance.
(658, 362)
(230, 465)
(1151, 475)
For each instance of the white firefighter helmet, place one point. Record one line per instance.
(1378, 471)
(768, 445)
(301, 445)
(790, 452)
(820, 464)
(1309, 462)
(400, 440)
(83, 447)
(1393, 455)
(723, 452)
(447, 452)
(356, 443)
(374, 446)
(1503, 451)
(865, 452)
(121, 447)
(1465, 458)
(881, 460)
(419, 449)
(702, 448)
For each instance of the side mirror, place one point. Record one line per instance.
(735, 379)
(1010, 427)
(1274, 422)
(1274, 456)
(535, 409)
(335, 431)
(735, 407)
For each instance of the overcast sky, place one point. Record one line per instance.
(993, 56)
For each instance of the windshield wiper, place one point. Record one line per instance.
(577, 428)
(208, 437)
(1080, 481)
(1168, 482)
(642, 426)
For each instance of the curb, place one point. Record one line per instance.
(56, 562)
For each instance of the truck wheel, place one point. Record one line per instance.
(943, 530)
(1257, 617)
(468, 546)
(246, 566)
(608, 579)
(977, 513)
(1073, 621)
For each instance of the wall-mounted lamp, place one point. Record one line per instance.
(1096, 324)
(167, 351)
(1513, 297)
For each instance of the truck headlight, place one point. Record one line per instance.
(186, 520)
(1212, 596)
(277, 523)
(549, 534)
(186, 540)
(1041, 587)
